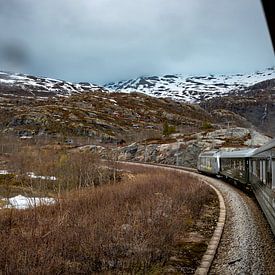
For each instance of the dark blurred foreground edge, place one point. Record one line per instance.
(268, 7)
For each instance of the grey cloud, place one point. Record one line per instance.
(109, 40)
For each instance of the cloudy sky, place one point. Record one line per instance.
(102, 41)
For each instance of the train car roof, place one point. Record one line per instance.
(211, 153)
(245, 153)
(265, 147)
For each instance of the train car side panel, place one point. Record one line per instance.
(262, 178)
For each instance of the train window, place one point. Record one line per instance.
(250, 166)
(268, 173)
(242, 164)
(264, 171)
(257, 168)
(261, 170)
(253, 167)
(273, 174)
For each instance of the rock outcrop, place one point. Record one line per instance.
(185, 150)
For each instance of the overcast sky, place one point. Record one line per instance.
(110, 40)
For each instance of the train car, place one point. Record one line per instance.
(234, 165)
(253, 169)
(209, 162)
(262, 178)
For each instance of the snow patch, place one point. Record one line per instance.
(33, 176)
(22, 202)
(4, 172)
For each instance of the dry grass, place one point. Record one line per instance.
(130, 227)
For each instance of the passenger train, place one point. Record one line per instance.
(253, 169)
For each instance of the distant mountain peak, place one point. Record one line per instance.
(191, 89)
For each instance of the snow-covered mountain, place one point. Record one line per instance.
(13, 84)
(191, 88)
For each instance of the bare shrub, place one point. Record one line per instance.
(57, 170)
(127, 227)
(81, 170)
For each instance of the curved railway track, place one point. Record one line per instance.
(247, 245)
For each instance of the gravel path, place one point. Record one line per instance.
(247, 245)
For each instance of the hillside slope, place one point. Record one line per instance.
(256, 104)
(108, 116)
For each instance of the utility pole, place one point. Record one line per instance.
(145, 152)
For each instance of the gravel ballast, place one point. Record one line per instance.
(247, 245)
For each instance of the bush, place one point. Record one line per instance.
(168, 129)
(207, 125)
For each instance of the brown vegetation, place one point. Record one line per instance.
(39, 169)
(136, 226)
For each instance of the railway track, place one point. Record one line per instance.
(247, 245)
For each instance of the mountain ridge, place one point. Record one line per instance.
(23, 85)
(192, 89)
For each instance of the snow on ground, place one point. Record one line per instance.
(33, 176)
(4, 172)
(113, 101)
(22, 202)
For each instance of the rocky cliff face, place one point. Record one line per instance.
(184, 150)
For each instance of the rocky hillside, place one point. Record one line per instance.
(137, 126)
(108, 116)
(31, 106)
(114, 117)
(184, 149)
(256, 104)
(192, 89)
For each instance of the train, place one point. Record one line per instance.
(253, 169)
